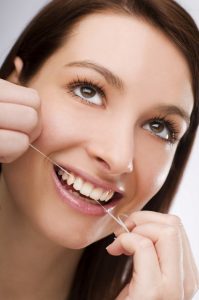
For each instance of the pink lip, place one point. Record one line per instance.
(78, 203)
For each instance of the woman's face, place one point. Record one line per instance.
(115, 101)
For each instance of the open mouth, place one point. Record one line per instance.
(85, 190)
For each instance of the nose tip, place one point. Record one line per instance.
(113, 153)
(130, 167)
(115, 166)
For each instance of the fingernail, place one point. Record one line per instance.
(112, 244)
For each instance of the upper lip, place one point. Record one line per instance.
(95, 181)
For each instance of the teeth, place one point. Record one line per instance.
(78, 184)
(86, 188)
(70, 179)
(109, 196)
(60, 172)
(64, 176)
(104, 196)
(96, 193)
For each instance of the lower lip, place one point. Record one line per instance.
(78, 203)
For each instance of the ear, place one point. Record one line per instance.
(18, 66)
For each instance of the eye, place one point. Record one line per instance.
(164, 129)
(88, 92)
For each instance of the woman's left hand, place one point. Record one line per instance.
(164, 266)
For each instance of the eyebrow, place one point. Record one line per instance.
(174, 110)
(116, 81)
(110, 77)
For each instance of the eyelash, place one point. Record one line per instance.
(85, 82)
(169, 124)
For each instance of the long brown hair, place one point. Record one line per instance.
(100, 276)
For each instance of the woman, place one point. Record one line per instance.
(108, 91)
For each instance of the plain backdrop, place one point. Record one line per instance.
(15, 14)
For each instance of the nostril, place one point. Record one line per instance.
(101, 161)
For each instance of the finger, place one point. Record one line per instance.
(12, 93)
(168, 245)
(175, 259)
(13, 144)
(191, 280)
(140, 217)
(191, 275)
(145, 260)
(18, 117)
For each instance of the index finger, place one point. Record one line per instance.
(13, 93)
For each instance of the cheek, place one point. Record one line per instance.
(59, 124)
(66, 123)
(151, 166)
(155, 164)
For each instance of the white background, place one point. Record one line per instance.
(14, 14)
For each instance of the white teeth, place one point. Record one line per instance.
(78, 184)
(86, 189)
(64, 176)
(96, 193)
(60, 172)
(71, 179)
(104, 196)
(110, 195)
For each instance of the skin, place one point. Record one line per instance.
(113, 143)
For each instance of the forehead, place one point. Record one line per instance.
(140, 54)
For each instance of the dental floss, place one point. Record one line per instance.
(123, 224)
(36, 149)
(117, 220)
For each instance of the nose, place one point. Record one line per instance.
(113, 150)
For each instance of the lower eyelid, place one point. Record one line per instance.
(173, 136)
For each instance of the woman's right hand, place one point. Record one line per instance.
(19, 120)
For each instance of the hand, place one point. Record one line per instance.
(19, 120)
(164, 268)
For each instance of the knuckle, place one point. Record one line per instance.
(34, 97)
(123, 239)
(32, 117)
(175, 220)
(145, 243)
(171, 231)
(23, 141)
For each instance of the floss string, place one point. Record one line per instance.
(117, 220)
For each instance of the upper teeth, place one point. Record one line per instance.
(85, 187)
